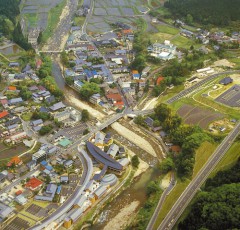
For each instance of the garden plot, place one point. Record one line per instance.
(198, 116)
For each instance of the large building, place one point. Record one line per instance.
(103, 158)
(164, 51)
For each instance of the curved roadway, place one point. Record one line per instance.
(59, 213)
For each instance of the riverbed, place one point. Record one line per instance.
(124, 202)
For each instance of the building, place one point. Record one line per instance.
(164, 51)
(4, 114)
(99, 139)
(124, 162)
(15, 101)
(49, 193)
(39, 156)
(103, 158)
(135, 75)
(20, 199)
(100, 191)
(226, 81)
(34, 184)
(33, 36)
(57, 106)
(95, 98)
(14, 161)
(5, 211)
(109, 180)
(146, 71)
(113, 150)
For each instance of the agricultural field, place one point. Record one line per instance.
(35, 13)
(107, 12)
(7, 152)
(195, 115)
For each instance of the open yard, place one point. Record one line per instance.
(198, 116)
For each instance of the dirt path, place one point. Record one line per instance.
(123, 218)
(133, 137)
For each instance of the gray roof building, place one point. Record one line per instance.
(5, 211)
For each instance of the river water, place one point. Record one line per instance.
(136, 192)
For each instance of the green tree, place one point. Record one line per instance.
(45, 130)
(167, 165)
(88, 89)
(135, 161)
(152, 188)
(85, 115)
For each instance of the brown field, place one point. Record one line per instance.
(193, 115)
(8, 152)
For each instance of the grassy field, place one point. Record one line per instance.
(183, 42)
(53, 19)
(27, 116)
(167, 29)
(32, 19)
(229, 159)
(202, 155)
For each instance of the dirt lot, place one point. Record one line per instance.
(198, 116)
(8, 152)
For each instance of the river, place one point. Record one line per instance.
(136, 192)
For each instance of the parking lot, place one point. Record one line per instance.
(71, 132)
(17, 224)
(67, 190)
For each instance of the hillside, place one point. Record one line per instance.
(217, 206)
(216, 12)
(9, 26)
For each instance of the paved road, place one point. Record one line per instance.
(18, 181)
(196, 183)
(198, 85)
(160, 203)
(61, 212)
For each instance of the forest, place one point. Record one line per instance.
(218, 205)
(215, 12)
(9, 25)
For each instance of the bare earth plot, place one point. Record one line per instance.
(198, 116)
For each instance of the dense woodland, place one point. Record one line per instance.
(218, 206)
(216, 12)
(9, 25)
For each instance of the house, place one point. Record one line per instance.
(37, 122)
(113, 150)
(20, 199)
(149, 121)
(49, 193)
(124, 162)
(57, 106)
(12, 88)
(64, 179)
(78, 84)
(159, 80)
(31, 164)
(135, 75)
(226, 81)
(18, 136)
(34, 184)
(68, 163)
(14, 64)
(16, 161)
(5, 211)
(15, 101)
(146, 71)
(95, 98)
(4, 114)
(164, 51)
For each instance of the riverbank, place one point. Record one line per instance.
(123, 218)
(133, 137)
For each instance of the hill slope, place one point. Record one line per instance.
(216, 12)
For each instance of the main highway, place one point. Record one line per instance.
(196, 183)
(198, 85)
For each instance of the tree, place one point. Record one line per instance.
(88, 89)
(85, 115)
(167, 165)
(152, 187)
(45, 130)
(69, 80)
(162, 112)
(135, 161)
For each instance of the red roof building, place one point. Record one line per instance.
(3, 114)
(12, 88)
(159, 80)
(15, 160)
(126, 32)
(38, 63)
(4, 102)
(18, 192)
(33, 184)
